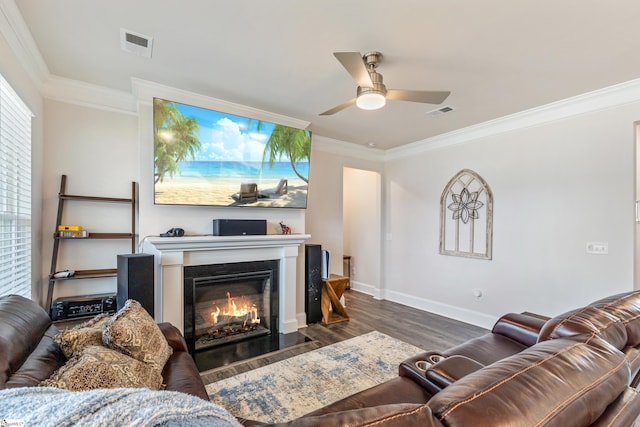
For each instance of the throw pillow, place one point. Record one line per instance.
(132, 331)
(100, 367)
(73, 340)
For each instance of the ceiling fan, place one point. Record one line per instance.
(372, 93)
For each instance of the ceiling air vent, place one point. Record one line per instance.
(136, 43)
(441, 110)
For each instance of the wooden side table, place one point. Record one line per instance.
(332, 290)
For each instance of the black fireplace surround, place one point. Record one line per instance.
(215, 335)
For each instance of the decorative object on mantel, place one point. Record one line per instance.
(463, 232)
(285, 228)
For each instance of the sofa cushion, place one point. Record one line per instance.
(22, 325)
(561, 382)
(101, 367)
(626, 307)
(133, 332)
(75, 339)
(589, 320)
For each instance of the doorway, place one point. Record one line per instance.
(362, 228)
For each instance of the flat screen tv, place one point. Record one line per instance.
(211, 158)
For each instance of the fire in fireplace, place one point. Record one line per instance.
(221, 319)
(229, 303)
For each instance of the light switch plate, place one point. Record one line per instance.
(598, 248)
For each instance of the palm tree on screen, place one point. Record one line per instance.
(174, 139)
(294, 143)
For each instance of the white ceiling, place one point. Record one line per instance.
(496, 57)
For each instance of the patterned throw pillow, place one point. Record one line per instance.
(100, 367)
(73, 340)
(132, 331)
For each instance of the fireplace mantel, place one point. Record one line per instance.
(172, 254)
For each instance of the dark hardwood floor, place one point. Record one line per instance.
(422, 329)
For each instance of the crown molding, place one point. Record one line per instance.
(89, 95)
(601, 99)
(348, 149)
(19, 38)
(144, 91)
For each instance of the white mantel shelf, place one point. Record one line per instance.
(172, 254)
(209, 242)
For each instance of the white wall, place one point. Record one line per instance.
(29, 91)
(98, 151)
(324, 216)
(362, 212)
(556, 186)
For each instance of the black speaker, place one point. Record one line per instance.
(313, 282)
(135, 280)
(239, 227)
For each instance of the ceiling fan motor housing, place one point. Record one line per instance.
(378, 86)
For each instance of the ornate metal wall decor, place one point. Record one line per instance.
(466, 216)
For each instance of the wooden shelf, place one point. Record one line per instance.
(98, 236)
(90, 274)
(57, 239)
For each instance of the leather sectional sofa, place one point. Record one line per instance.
(576, 369)
(28, 353)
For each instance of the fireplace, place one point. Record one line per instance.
(228, 303)
(174, 255)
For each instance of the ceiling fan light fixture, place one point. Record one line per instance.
(370, 99)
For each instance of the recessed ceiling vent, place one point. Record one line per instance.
(441, 110)
(136, 43)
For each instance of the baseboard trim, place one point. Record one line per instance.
(457, 313)
(366, 289)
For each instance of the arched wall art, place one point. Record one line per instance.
(466, 217)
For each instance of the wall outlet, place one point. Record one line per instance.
(598, 248)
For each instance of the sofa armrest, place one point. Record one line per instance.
(450, 370)
(415, 366)
(173, 336)
(180, 373)
(434, 375)
(520, 327)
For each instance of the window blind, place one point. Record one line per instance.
(15, 193)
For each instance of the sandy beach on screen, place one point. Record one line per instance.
(218, 192)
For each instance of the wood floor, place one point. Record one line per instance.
(425, 330)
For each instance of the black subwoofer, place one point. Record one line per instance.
(135, 280)
(313, 282)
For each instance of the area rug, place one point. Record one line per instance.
(296, 386)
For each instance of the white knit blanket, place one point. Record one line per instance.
(46, 406)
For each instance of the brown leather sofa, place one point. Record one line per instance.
(577, 369)
(29, 355)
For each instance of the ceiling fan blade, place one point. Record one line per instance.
(425, 96)
(340, 107)
(353, 63)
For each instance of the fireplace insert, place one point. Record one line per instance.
(228, 303)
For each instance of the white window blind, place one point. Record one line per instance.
(15, 193)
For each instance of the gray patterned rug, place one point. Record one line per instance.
(296, 386)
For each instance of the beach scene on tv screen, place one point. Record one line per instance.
(211, 158)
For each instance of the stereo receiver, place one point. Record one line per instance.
(84, 306)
